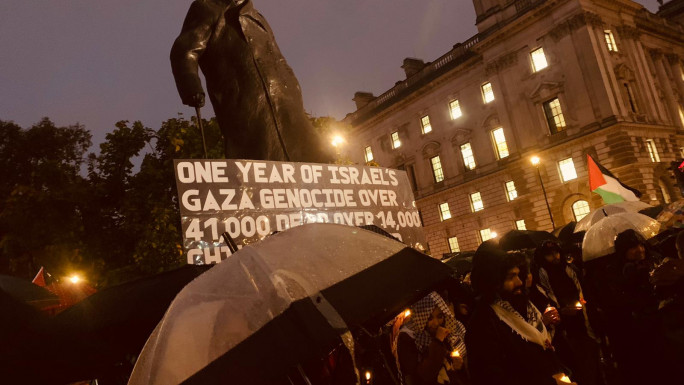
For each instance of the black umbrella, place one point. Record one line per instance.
(461, 262)
(286, 301)
(26, 291)
(652, 211)
(98, 337)
(524, 239)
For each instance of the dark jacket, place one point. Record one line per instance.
(253, 90)
(498, 355)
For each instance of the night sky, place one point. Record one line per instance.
(97, 62)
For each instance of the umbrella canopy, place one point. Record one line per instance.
(95, 337)
(283, 301)
(600, 238)
(672, 215)
(524, 239)
(27, 291)
(616, 208)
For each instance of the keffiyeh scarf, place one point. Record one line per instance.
(531, 330)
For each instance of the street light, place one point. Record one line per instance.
(75, 278)
(535, 162)
(337, 141)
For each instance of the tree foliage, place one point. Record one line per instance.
(42, 196)
(68, 210)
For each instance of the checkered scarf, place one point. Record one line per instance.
(420, 313)
(531, 330)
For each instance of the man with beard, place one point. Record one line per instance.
(255, 94)
(506, 338)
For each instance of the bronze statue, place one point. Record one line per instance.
(255, 94)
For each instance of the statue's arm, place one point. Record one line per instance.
(189, 46)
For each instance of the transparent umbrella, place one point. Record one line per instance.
(672, 215)
(600, 238)
(623, 207)
(286, 300)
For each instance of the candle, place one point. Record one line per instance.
(455, 353)
(565, 379)
(578, 305)
(407, 313)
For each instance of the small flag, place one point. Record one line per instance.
(602, 182)
(39, 279)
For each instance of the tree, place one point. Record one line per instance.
(160, 244)
(41, 198)
(109, 236)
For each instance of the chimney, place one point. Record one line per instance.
(412, 66)
(362, 98)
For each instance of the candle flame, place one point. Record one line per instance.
(407, 313)
(565, 379)
(368, 375)
(578, 305)
(455, 353)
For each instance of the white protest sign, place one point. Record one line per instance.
(251, 199)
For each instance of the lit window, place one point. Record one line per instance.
(663, 190)
(453, 245)
(476, 202)
(520, 224)
(396, 143)
(487, 92)
(580, 209)
(486, 234)
(425, 123)
(538, 60)
(455, 109)
(368, 154)
(444, 212)
(554, 115)
(511, 192)
(500, 143)
(610, 40)
(468, 157)
(567, 169)
(437, 169)
(652, 150)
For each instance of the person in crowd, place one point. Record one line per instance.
(430, 347)
(507, 340)
(630, 308)
(557, 281)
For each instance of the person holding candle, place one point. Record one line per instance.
(507, 340)
(559, 282)
(430, 347)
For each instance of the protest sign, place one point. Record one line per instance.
(251, 199)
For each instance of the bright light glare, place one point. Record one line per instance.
(455, 353)
(407, 313)
(368, 375)
(535, 160)
(494, 234)
(565, 379)
(74, 279)
(337, 140)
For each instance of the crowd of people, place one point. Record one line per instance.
(543, 316)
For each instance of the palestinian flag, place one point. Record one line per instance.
(602, 182)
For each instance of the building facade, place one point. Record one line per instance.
(553, 79)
